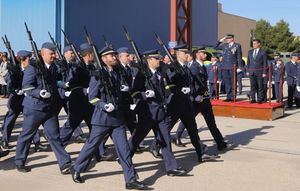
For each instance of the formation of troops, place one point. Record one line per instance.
(113, 93)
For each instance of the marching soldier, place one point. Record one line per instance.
(107, 118)
(201, 100)
(151, 104)
(14, 104)
(39, 84)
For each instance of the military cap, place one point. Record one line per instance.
(123, 50)
(85, 47)
(200, 49)
(67, 48)
(181, 47)
(152, 54)
(294, 54)
(24, 53)
(229, 36)
(48, 45)
(107, 50)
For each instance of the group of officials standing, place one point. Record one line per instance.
(111, 96)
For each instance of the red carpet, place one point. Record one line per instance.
(243, 103)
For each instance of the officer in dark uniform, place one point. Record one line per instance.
(214, 76)
(278, 75)
(232, 54)
(65, 70)
(14, 104)
(291, 79)
(179, 82)
(151, 104)
(41, 96)
(201, 99)
(78, 85)
(297, 91)
(107, 118)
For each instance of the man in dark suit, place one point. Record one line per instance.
(256, 70)
(232, 54)
(291, 79)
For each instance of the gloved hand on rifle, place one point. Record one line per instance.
(44, 94)
(186, 90)
(109, 107)
(150, 94)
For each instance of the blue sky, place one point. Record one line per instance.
(270, 10)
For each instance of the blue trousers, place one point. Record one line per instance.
(163, 139)
(32, 120)
(97, 135)
(229, 82)
(205, 109)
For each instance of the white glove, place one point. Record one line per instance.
(109, 107)
(19, 92)
(186, 90)
(199, 98)
(222, 39)
(87, 90)
(219, 82)
(68, 93)
(247, 73)
(150, 93)
(273, 82)
(238, 70)
(44, 94)
(132, 106)
(124, 88)
(298, 88)
(67, 84)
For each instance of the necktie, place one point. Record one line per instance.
(128, 71)
(255, 53)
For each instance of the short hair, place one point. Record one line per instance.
(256, 40)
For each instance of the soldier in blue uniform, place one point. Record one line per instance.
(179, 82)
(297, 91)
(291, 79)
(41, 96)
(201, 99)
(108, 118)
(78, 86)
(152, 102)
(278, 75)
(257, 70)
(214, 76)
(232, 54)
(14, 104)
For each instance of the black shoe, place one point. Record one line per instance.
(66, 169)
(222, 146)
(259, 102)
(5, 145)
(252, 101)
(136, 185)
(4, 153)
(80, 139)
(176, 172)
(76, 177)
(22, 168)
(39, 147)
(105, 157)
(155, 153)
(227, 100)
(178, 142)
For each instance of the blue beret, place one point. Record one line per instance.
(48, 45)
(152, 53)
(85, 47)
(107, 50)
(24, 53)
(123, 50)
(67, 48)
(181, 47)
